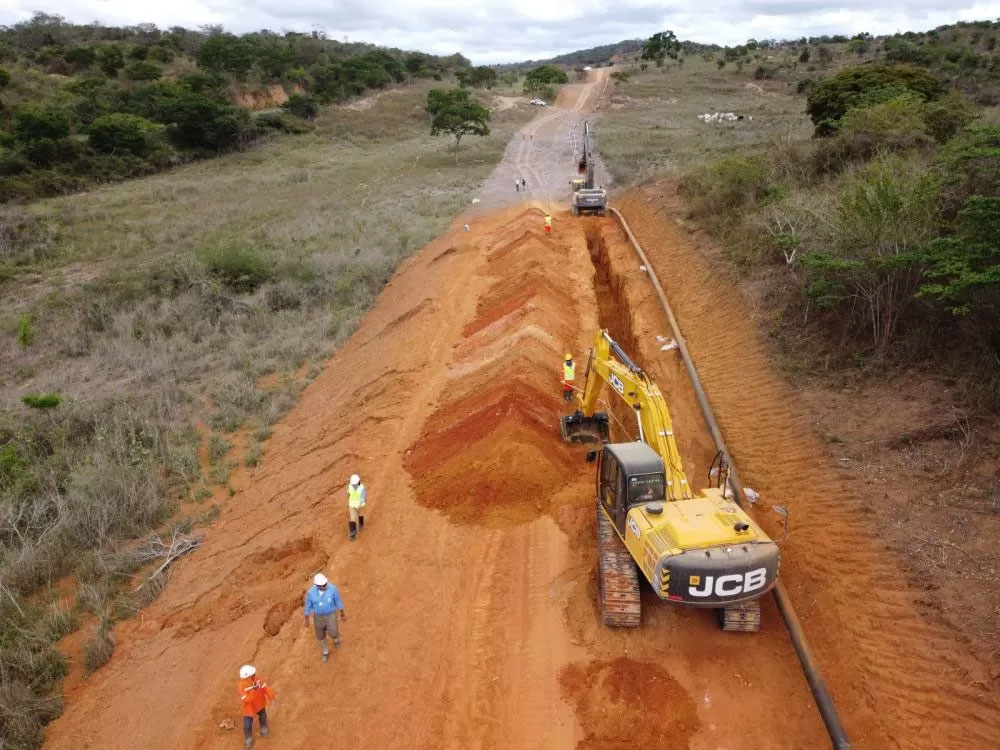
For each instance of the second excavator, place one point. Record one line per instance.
(696, 549)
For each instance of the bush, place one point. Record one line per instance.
(34, 123)
(120, 132)
(42, 400)
(947, 116)
(81, 58)
(111, 60)
(830, 100)
(719, 190)
(896, 125)
(143, 71)
(240, 267)
(868, 277)
(98, 650)
(301, 106)
(968, 165)
(4, 78)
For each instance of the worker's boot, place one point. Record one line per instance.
(352, 529)
(248, 742)
(361, 523)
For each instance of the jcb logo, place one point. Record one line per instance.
(728, 585)
(616, 383)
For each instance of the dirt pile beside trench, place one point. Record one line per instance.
(486, 454)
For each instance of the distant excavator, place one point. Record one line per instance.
(586, 197)
(699, 550)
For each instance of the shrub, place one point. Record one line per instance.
(240, 267)
(883, 214)
(42, 400)
(111, 60)
(4, 78)
(98, 650)
(81, 58)
(947, 116)
(161, 53)
(120, 132)
(141, 70)
(968, 165)
(301, 106)
(34, 123)
(897, 124)
(720, 189)
(25, 332)
(832, 98)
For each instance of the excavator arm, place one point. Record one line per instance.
(610, 364)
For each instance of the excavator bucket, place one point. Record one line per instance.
(578, 428)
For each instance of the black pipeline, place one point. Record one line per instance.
(824, 701)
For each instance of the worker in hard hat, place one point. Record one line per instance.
(548, 223)
(323, 602)
(356, 497)
(569, 376)
(255, 694)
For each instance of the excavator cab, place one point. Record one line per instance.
(629, 474)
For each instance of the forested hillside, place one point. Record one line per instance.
(85, 104)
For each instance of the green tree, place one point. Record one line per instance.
(228, 53)
(121, 133)
(140, 70)
(831, 98)
(455, 113)
(34, 123)
(660, 46)
(544, 76)
(111, 60)
(301, 106)
(81, 58)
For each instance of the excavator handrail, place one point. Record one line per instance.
(824, 699)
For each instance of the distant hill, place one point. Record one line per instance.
(591, 56)
(606, 52)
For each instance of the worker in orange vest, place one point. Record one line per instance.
(255, 694)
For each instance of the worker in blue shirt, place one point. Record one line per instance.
(322, 602)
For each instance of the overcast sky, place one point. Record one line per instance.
(490, 31)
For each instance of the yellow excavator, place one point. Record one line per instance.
(700, 550)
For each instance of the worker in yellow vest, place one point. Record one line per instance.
(548, 223)
(356, 497)
(569, 375)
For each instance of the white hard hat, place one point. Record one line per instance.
(355, 479)
(247, 670)
(319, 579)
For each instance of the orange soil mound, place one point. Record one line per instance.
(624, 703)
(487, 452)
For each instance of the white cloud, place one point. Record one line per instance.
(495, 31)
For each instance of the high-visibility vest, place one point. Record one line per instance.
(569, 371)
(354, 497)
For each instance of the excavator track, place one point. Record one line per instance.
(619, 578)
(743, 618)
